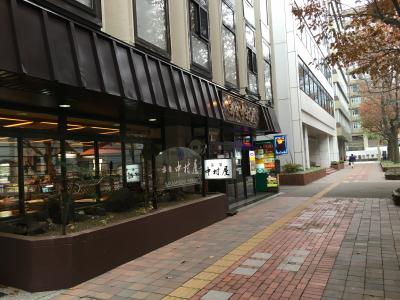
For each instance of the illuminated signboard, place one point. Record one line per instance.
(133, 173)
(252, 162)
(219, 169)
(280, 144)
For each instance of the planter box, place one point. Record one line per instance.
(51, 263)
(301, 179)
(392, 174)
(338, 166)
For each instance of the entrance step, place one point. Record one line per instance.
(329, 171)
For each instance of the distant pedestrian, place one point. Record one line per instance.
(352, 159)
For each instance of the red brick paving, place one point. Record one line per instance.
(310, 281)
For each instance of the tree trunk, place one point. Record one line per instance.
(394, 141)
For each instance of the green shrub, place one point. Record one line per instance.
(334, 162)
(292, 168)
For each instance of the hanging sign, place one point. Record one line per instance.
(133, 173)
(240, 111)
(177, 167)
(252, 162)
(280, 144)
(219, 169)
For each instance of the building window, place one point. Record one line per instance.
(356, 100)
(309, 84)
(252, 67)
(82, 11)
(42, 171)
(251, 46)
(151, 23)
(229, 44)
(199, 37)
(268, 81)
(249, 12)
(88, 3)
(355, 88)
(8, 177)
(264, 18)
(355, 113)
(356, 125)
(250, 37)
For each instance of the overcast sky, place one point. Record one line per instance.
(349, 3)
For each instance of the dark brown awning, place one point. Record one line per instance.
(50, 48)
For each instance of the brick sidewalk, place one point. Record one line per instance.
(283, 248)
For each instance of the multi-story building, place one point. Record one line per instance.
(342, 112)
(340, 86)
(101, 95)
(303, 90)
(360, 138)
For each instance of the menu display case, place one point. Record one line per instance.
(266, 168)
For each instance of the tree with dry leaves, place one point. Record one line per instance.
(380, 112)
(365, 37)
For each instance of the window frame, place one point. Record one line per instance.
(142, 44)
(195, 67)
(270, 76)
(233, 31)
(77, 11)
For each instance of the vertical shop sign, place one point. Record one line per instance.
(252, 162)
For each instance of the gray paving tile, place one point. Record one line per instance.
(216, 295)
(262, 255)
(289, 267)
(253, 262)
(244, 271)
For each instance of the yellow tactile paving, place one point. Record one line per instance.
(206, 276)
(172, 298)
(223, 263)
(196, 283)
(184, 292)
(216, 269)
(239, 252)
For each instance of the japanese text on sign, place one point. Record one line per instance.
(218, 169)
(178, 167)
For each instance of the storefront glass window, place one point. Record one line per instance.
(8, 177)
(81, 170)
(42, 169)
(110, 167)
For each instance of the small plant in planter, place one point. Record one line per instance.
(292, 168)
(335, 163)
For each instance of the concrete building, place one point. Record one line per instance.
(303, 92)
(342, 111)
(340, 86)
(226, 41)
(360, 140)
